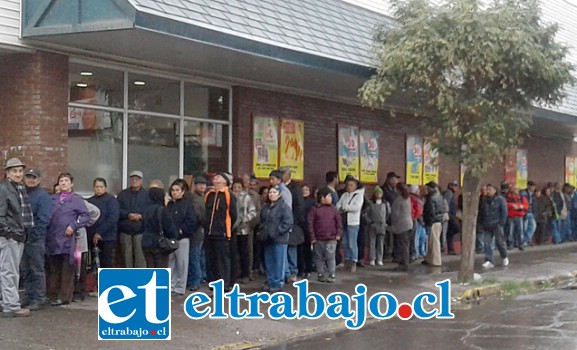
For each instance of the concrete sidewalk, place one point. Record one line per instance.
(75, 326)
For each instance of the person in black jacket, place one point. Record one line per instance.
(277, 222)
(433, 217)
(132, 203)
(156, 219)
(221, 214)
(182, 212)
(297, 236)
(103, 234)
(494, 218)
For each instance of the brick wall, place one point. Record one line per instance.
(33, 111)
(545, 156)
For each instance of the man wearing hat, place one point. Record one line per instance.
(221, 214)
(16, 219)
(433, 216)
(33, 262)
(195, 273)
(133, 201)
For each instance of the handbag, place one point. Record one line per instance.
(166, 245)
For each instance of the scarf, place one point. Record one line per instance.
(25, 208)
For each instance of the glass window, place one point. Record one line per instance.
(94, 148)
(205, 147)
(147, 93)
(153, 147)
(97, 86)
(206, 102)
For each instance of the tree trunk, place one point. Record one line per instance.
(471, 188)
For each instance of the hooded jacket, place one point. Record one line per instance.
(352, 204)
(221, 213)
(324, 223)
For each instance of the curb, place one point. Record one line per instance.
(496, 289)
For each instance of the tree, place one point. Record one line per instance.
(474, 71)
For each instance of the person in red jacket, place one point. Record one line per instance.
(517, 207)
(325, 229)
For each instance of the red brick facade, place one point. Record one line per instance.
(545, 156)
(33, 110)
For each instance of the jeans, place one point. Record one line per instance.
(530, 227)
(350, 242)
(516, 231)
(556, 225)
(275, 258)
(292, 263)
(497, 233)
(10, 256)
(565, 228)
(32, 271)
(194, 266)
(421, 238)
(480, 240)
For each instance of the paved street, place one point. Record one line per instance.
(542, 321)
(75, 326)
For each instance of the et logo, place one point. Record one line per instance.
(134, 304)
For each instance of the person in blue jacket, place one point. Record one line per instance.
(33, 260)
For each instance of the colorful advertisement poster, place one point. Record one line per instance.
(348, 144)
(292, 147)
(522, 169)
(414, 160)
(265, 146)
(430, 163)
(369, 156)
(570, 170)
(463, 170)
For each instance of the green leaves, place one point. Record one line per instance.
(475, 70)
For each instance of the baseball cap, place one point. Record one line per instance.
(136, 173)
(392, 174)
(33, 172)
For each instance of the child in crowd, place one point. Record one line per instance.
(325, 229)
(376, 214)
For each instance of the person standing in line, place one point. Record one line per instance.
(182, 213)
(244, 234)
(433, 216)
(529, 222)
(389, 195)
(195, 271)
(103, 234)
(376, 215)
(16, 220)
(32, 266)
(156, 219)
(69, 214)
(132, 202)
(546, 214)
(297, 235)
(517, 207)
(494, 219)
(350, 206)
(402, 222)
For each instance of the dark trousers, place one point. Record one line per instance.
(218, 258)
(402, 241)
(412, 246)
(361, 243)
(542, 233)
(305, 258)
(60, 278)
(242, 244)
(155, 259)
(107, 252)
(32, 271)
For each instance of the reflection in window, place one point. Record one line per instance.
(146, 93)
(206, 102)
(97, 86)
(205, 147)
(94, 148)
(153, 147)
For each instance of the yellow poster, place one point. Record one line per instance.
(430, 163)
(292, 146)
(414, 160)
(348, 144)
(265, 146)
(522, 169)
(570, 170)
(369, 156)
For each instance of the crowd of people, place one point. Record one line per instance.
(234, 229)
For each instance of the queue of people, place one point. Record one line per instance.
(231, 229)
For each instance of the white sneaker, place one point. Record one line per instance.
(372, 263)
(488, 265)
(380, 263)
(506, 262)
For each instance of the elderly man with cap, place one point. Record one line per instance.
(133, 201)
(195, 273)
(16, 220)
(33, 259)
(433, 217)
(221, 214)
